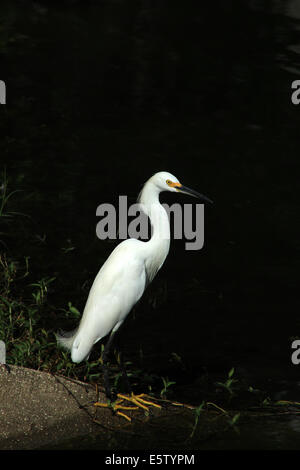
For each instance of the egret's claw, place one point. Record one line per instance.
(116, 406)
(119, 413)
(138, 400)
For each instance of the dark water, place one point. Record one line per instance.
(101, 95)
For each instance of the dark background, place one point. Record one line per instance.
(101, 95)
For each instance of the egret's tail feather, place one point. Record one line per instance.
(75, 342)
(66, 338)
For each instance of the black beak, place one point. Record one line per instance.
(191, 192)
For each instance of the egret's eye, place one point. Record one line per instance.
(169, 182)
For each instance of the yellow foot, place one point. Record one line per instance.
(137, 401)
(116, 406)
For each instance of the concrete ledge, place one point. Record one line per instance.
(37, 408)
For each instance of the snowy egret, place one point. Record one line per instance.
(124, 276)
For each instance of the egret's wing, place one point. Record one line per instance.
(117, 287)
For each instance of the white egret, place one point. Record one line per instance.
(124, 276)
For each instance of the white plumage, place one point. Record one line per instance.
(124, 276)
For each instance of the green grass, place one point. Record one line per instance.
(27, 341)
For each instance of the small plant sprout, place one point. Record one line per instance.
(167, 384)
(42, 289)
(73, 310)
(233, 421)
(9, 269)
(69, 247)
(197, 412)
(228, 385)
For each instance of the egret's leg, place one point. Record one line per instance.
(116, 406)
(138, 401)
(105, 368)
(124, 372)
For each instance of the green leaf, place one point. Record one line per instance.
(73, 310)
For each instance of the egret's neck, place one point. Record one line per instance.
(158, 246)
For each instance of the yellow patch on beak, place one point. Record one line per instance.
(174, 185)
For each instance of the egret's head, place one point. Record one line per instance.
(165, 181)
